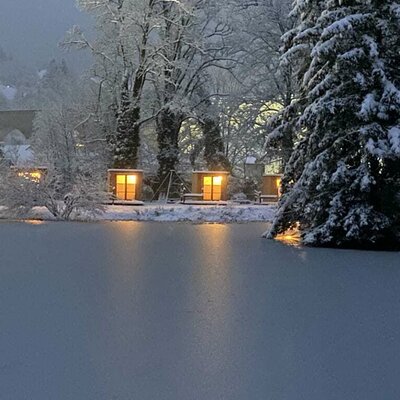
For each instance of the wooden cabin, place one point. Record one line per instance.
(125, 184)
(210, 185)
(271, 188)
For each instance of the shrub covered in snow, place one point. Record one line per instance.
(20, 194)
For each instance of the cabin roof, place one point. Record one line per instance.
(125, 170)
(211, 172)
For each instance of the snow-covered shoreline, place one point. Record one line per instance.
(174, 213)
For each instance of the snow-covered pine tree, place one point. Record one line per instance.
(214, 146)
(342, 182)
(212, 140)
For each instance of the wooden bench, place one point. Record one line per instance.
(268, 198)
(113, 200)
(242, 201)
(191, 196)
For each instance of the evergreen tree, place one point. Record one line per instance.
(125, 142)
(214, 146)
(342, 182)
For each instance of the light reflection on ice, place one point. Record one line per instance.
(290, 237)
(34, 222)
(212, 294)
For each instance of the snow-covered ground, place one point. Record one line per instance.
(178, 213)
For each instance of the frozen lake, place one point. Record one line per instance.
(148, 311)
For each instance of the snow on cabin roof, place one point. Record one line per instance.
(125, 170)
(211, 172)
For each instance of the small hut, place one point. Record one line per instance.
(125, 184)
(271, 188)
(210, 185)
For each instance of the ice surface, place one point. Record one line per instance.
(146, 311)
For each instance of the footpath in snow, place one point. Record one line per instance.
(177, 213)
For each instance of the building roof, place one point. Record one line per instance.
(211, 172)
(21, 120)
(125, 170)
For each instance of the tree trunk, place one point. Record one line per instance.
(168, 127)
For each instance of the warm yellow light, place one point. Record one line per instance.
(34, 176)
(290, 237)
(207, 180)
(34, 222)
(131, 179)
(217, 180)
(121, 179)
(278, 182)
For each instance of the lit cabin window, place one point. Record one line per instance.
(34, 176)
(126, 187)
(212, 188)
(278, 185)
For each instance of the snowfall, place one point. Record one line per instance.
(230, 213)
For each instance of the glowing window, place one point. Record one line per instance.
(126, 187)
(212, 188)
(278, 185)
(131, 179)
(33, 176)
(217, 180)
(121, 179)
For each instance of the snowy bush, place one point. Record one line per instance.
(147, 193)
(240, 189)
(20, 194)
(239, 196)
(234, 186)
(85, 196)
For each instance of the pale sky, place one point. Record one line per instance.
(31, 29)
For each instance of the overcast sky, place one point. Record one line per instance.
(31, 29)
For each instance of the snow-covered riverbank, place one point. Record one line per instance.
(177, 213)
